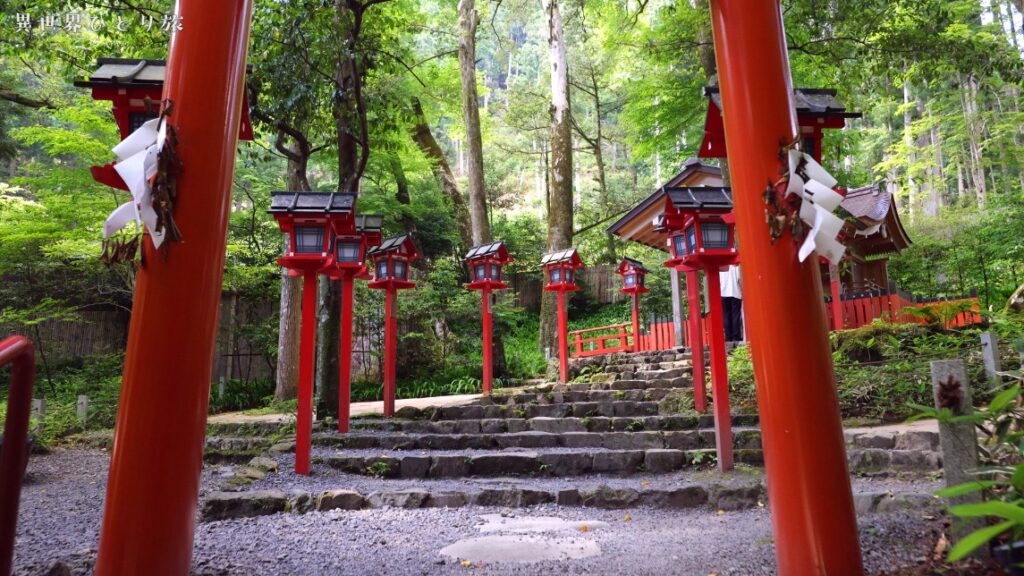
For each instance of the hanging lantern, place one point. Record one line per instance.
(700, 226)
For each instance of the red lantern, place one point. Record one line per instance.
(485, 263)
(633, 273)
(559, 273)
(391, 273)
(135, 87)
(559, 270)
(308, 219)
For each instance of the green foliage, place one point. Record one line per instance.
(1001, 479)
(241, 395)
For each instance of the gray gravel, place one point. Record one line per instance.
(62, 504)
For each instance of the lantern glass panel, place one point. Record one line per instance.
(640, 279)
(568, 275)
(349, 251)
(679, 245)
(691, 239)
(629, 280)
(400, 269)
(715, 235)
(309, 239)
(382, 269)
(495, 272)
(480, 271)
(555, 275)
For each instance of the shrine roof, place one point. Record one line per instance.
(402, 243)
(807, 101)
(559, 256)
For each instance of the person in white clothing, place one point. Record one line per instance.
(732, 303)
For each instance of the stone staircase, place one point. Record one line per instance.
(613, 438)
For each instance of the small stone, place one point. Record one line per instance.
(227, 505)
(446, 500)
(607, 497)
(923, 440)
(340, 500)
(409, 499)
(264, 463)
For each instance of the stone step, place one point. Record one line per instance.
(545, 424)
(539, 462)
(649, 375)
(555, 410)
(589, 395)
(743, 438)
(632, 367)
(625, 384)
(599, 492)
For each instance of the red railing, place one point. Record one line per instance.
(862, 310)
(857, 311)
(603, 340)
(17, 351)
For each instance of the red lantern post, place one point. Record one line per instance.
(352, 237)
(700, 392)
(485, 263)
(703, 237)
(633, 273)
(559, 273)
(391, 273)
(808, 483)
(307, 219)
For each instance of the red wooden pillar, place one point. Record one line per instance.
(348, 288)
(563, 337)
(700, 393)
(837, 303)
(390, 350)
(808, 484)
(307, 365)
(719, 374)
(488, 341)
(161, 419)
(636, 322)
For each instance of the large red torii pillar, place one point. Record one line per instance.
(161, 419)
(808, 484)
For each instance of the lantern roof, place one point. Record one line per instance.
(125, 72)
(495, 250)
(689, 199)
(628, 264)
(313, 203)
(816, 109)
(401, 244)
(369, 223)
(569, 255)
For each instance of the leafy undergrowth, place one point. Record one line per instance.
(881, 367)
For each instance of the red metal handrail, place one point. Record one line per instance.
(18, 351)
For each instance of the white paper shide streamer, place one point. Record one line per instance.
(137, 165)
(817, 207)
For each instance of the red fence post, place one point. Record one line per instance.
(808, 483)
(16, 350)
(161, 419)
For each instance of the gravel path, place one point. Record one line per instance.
(62, 505)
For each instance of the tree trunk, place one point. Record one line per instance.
(402, 192)
(290, 309)
(442, 172)
(468, 19)
(560, 201)
(908, 142)
(975, 131)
